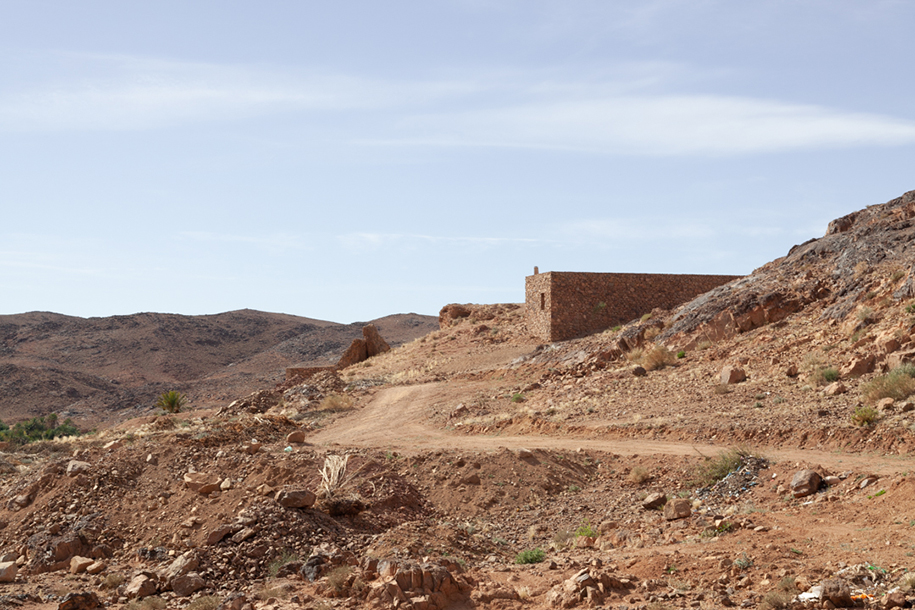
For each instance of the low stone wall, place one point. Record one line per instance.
(562, 305)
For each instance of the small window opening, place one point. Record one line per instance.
(542, 301)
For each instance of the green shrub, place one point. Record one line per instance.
(530, 556)
(681, 354)
(865, 416)
(586, 530)
(518, 397)
(831, 374)
(171, 401)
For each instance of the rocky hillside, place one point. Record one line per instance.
(97, 370)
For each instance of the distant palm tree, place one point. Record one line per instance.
(171, 402)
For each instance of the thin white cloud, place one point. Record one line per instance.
(384, 240)
(661, 125)
(625, 111)
(626, 230)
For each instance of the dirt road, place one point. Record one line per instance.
(395, 419)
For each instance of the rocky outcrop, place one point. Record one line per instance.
(832, 270)
(371, 344)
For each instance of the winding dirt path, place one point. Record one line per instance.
(395, 420)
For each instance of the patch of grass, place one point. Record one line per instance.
(830, 374)
(635, 355)
(574, 488)
(274, 566)
(530, 556)
(723, 388)
(657, 358)
(518, 397)
(898, 384)
(865, 416)
(207, 602)
(333, 475)
(681, 354)
(586, 530)
(897, 275)
(711, 470)
(277, 592)
(645, 317)
(638, 475)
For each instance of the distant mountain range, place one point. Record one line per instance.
(100, 370)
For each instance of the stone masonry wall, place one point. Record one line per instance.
(562, 305)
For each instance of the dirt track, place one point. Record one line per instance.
(395, 419)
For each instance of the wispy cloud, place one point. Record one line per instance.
(626, 230)
(628, 110)
(385, 240)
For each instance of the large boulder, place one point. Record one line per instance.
(805, 482)
(202, 482)
(732, 374)
(678, 508)
(8, 571)
(188, 584)
(374, 344)
(354, 354)
(296, 498)
(141, 585)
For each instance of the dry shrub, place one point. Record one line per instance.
(776, 600)
(113, 581)
(338, 577)
(635, 355)
(337, 402)
(207, 602)
(711, 470)
(333, 475)
(657, 358)
(639, 475)
(864, 416)
(898, 384)
(723, 388)
(563, 539)
(153, 602)
(860, 269)
(652, 332)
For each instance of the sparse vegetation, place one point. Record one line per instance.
(711, 470)
(657, 358)
(274, 566)
(113, 580)
(865, 416)
(333, 474)
(586, 530)
(639, 475)
(530, 556)
(830, 374)
(898, 384)
(153, 602)
(338, 577)
(171, 401)
(681, 354)
(207, 602)
(562, 539)
(336, 402)
(518, 397)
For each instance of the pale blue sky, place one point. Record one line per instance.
(349, 160)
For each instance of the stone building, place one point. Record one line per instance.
(563, 305)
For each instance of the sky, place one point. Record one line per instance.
(350, 160)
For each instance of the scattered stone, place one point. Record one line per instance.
(525, 454)
(792, 370)
(112, 445)
(859, 366)
(295, 437)
(639, 371)
(142, 585)
(219, 533)
(834, 389)
(76, 467)
(804, 483)
(202, 482)
(832, 480)
(251, 447)
(79, 601)
(654, 500)
(298, 498)
(188, 584)
(374, 344)
(79, 564)
(8, 571)
(894, 599)
(677, 508)
(837, 592)
(732, 374)
(97, 567)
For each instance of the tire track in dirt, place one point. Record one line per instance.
(395, 420)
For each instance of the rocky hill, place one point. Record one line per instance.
(751, 448)
(96, 370)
